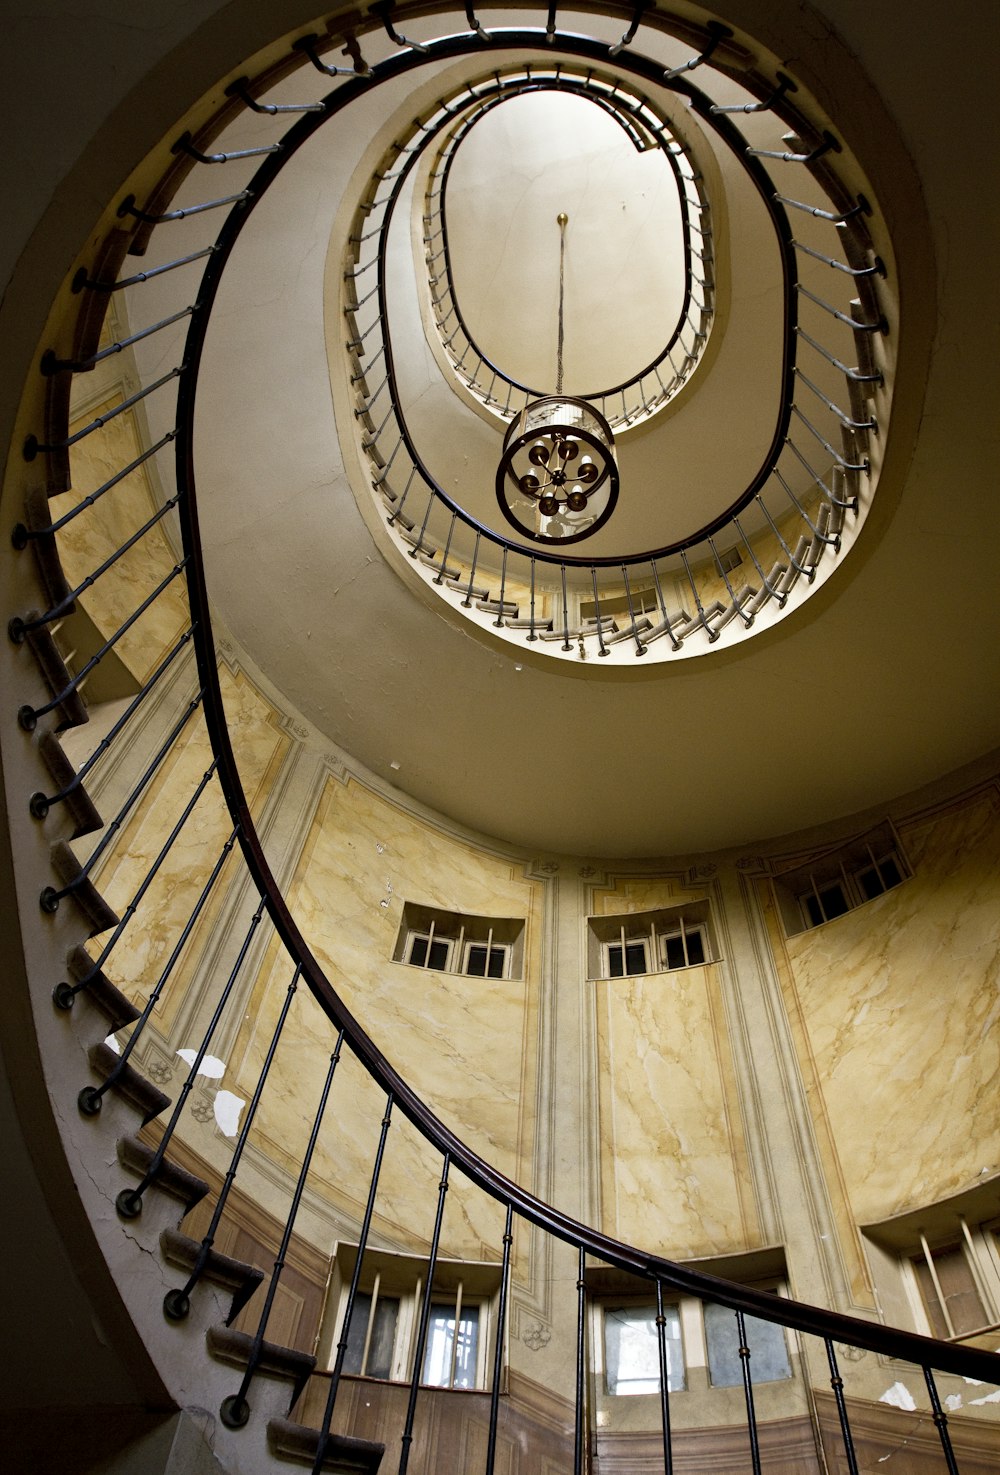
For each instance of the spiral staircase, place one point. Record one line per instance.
(136, 1313)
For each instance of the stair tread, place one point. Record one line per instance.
(182, 1251)
(229, 1345)
(100, 990)
(100, 917)
(137, 1156)
(78, 803)
(130, 1083)
(344, 1452)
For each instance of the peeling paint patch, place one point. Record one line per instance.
(211, 1066)
(899, 1396)
(113, 1044)
(989, 1398)
(953, 1402)
(976, 1382)
(227, 1112)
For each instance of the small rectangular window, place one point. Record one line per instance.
(429, 952)
(765, 1340)
(632, 1353)
(627, 959)
(962, 1310)
(824, 903)
(449, 1363)
(375, 1330)
(484, 961)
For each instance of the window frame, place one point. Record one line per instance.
(460, 934)
(651, 931)
(803, 893)
(976, 1258)
(605, 1305)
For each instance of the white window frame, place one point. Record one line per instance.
(979, 1246)
(601, 1307)
(430, 936)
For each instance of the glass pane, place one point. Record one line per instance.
(475, 962)
(496, 962)
(674, 951)
(383, 1338)
(615, 964)
(635, 957)
(765, 1339)
(356, 1332)
(631, 1351)
(891, 874)
(439, 955)
(418, 951)
(440, 1341)
(696, 947)
(870, 882)
(834, 901)
(958, 1288)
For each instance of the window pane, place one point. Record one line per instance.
(673, 951)
(440, 1342)
(958, 1288)
(383, 1339)
(631, 1351)
(356, 1332)
(475, 962)
(834, 901)
(891, 874)
(696, 947)
(870, 882)
(418, 951)
(765, 1339)
(635, 957)
(615, 965)
(439, 955)
(496, 962)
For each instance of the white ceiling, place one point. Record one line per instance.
(884, 680)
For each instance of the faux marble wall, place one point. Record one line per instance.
(899, 1005)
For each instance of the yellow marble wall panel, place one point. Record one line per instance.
(641, 894)
(145, 947)
(671, 1147)
(465, 1045)
(901, 1009)
(93, 536)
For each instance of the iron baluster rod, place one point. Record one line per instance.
(837, 1384)
(21, 535)
(491, 1438)
(851, 505)
(747, 619)
(855, 375)
(360, 68)
(439, 577)
(370, 441)
(877, 325)
(89, 1099)
(748, 1393)
(64, 993)
(786, 156)
(550, 23)
(241, 89)
(772, 589)
(602, 648)
(82, 280)
(476, 25)
(674, 642)
(833, 216)
(565, 605)
(18, 628)
(713, 635)
(822, 537)
(716, 33)
(418, 546)
(235, 1410)
(50, 898)
(184, 145)
(402, 501)
(353, 306)
(579, 1430)
(941, 1422)
(406, 1439)
(33, 446)
(467, 601)
(367, 404)
(356, 343)
(52, 365)
(870, 424)
(864, 465)
(661, 1347)
(799, 568)
(359, 271)
(877, 269)
(629, 35)
(640, 649)
(784, 84)
(177, 1302)
(503, 589)
(352, 1291)
(129, 207)
(28, 716)
(355, 378)
(129, 1201)
(39, 804)
(531, 626)
(383, 474)
(384, 9)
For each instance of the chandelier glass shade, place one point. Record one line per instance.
(557, 480)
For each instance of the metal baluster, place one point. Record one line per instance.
(491, 1441)
(50, 897)
(579, 1429)
(439, 578)
(941, 1422)
(748, 1393)
(661, 1341)
(640, 649)
(338, 1366)
(235, 1410)
(406, 1439)
(21, 536)
(566, 640)
(82, 281)
(716, 33)
(772, 589)
(713, 635)
(177, 1302)
(393, 516)
(34, 447)
(28, 716)
(747, 619)
(240, 89)
(603, 650)
(360, 68)
(129, 207)
(89, 1099)
(674, 642)
(39, 804)
(837, 1384)
(503, 588)
(52, 365)
(467, 601)
(531, 627)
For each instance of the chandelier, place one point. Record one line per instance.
(557, 480)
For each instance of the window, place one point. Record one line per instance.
(450, 942)
(950, 1288)
(766, 1340)
(632, 1352)
(649, 942)
(837, 882)
(381, 1339)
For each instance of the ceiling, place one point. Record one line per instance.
(885, 679)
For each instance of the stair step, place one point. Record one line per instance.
(78, 803)
(344, 1454)
(72, 710)
(130, 1084)
(101, 992)
(137, 1156)
(233, 1347)
(38, 516)
(99, 916)
(233, 1275)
